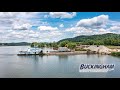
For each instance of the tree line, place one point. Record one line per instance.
(66, 43)
(71, 43)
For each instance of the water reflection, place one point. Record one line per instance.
(89, 55)
(63, 58)
(33, 57)
(35, 63)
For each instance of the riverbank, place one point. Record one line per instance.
(115, 54)
(92, 49)
(69, 53)
(113, 47)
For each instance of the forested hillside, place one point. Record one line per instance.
(103, 39)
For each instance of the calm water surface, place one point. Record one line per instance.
(63, 66)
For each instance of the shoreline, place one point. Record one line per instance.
(63, 53)
(75, 53)
(66, 53)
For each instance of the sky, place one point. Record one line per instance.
(54, 26)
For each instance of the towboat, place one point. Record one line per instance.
(31, 51)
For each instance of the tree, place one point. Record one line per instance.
(90, 42)
(41, 45)
(64, 43)
(71, 45)
(54, 44)
(34, 44)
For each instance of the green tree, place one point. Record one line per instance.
(64, 43)
(54, 44)
(71, 45)
(34, 44)
(41, 45)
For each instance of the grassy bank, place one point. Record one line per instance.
(113, 47)
(115, 53)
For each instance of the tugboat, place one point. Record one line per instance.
(31, 51)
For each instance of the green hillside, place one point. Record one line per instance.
(102, 39)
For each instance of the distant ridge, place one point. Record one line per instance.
(105, 39)
(15, 44)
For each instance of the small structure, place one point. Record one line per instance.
(63, 49)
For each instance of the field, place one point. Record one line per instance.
(113, 47)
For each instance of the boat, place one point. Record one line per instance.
(31, 51)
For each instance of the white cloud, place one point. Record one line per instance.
(61, 25)
(74, 29)
(16, 26)
(95, 22)
(20, 24)
(102, 30)
(62, 14)
(55, 33)
(113, 23)
(71, 29)
(8, 20)
(7, 15)
(51, 36)
(48, 28)
(79, 31)
(27, 15)
(31, 36)
(21, 35)
(114, 28)
(25, 26)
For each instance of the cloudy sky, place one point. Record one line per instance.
(54, 26)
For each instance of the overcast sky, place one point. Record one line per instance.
(54, 26)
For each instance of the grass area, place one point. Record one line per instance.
(113, 47)
(80, 49)
(115, 53)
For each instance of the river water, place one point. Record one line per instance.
(54, 66)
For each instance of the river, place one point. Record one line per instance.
(54, 66)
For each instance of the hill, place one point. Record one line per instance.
(101, 39)
(15, 44)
